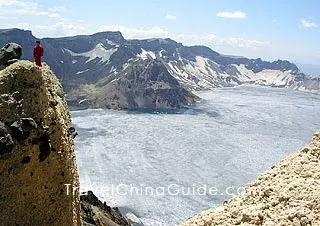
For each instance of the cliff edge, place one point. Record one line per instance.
(288, 194)
(37, 154)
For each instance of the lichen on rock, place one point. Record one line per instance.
(37, 154)
(288, 194)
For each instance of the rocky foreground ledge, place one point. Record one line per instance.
(288, 194)
(36, 150)
(37, 155)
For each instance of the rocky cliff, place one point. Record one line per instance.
(288, 194)
(37, 154)
(37, 158)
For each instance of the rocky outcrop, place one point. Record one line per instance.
(9, 54)
(37, 154)
(288, 194)
(94, 212)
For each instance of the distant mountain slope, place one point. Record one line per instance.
(310, 69)
(142, 84)
(104, 56)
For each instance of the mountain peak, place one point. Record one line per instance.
(111, 35)
(14, 31)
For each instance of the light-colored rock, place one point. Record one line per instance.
(34, 171)
(288, 194)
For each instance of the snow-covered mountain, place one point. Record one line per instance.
(100, 58)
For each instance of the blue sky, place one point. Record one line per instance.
(268, 29)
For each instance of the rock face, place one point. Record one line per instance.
(37, 154)
(94, 212)
(144, 85)
(9, 54)
(288, 194)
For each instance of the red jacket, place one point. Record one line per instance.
(38, 51)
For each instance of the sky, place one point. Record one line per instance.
(270, 29)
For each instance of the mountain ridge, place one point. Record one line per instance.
(201, 49)
(92, 59)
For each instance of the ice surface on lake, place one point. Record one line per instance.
(225, 141)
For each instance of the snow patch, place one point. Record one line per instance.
(203, 65)
(81, 72)
(146, 54)
(113, 69)
(160, 53)
(98, 52)
(198, 75)
(124, 66)
(265, 77)
(274, 77)
(244, 73)
(111, 42)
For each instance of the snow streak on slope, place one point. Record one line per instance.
(204, 73)
(265, 77)
(244, 74)
(201, 74)
(146, 54)
(112, 43)
(98, 52)
(274, 77)
(311, 86)
(81, 72)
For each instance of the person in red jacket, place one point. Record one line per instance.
(38, 53)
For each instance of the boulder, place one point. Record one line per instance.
(6, 142)
(9, 54)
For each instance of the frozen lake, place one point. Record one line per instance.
(227, 140)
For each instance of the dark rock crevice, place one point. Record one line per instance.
(102, 215)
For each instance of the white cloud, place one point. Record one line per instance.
(232, 15)
(23, 8)
(154, 32)
(57, 9)
(308, 23)
(244, 43)
(7, 18)
(275, 20)
(191, 39)
(170, 17)
(216, 41)
(187, 39)
(222, 44)
(54, 15)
